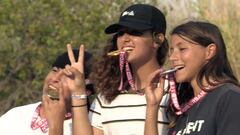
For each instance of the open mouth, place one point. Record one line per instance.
(128, 49)
(53, 93)
(117, 52)
(179, 67)
(171, 70)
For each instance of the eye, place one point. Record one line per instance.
(55, 69)
(182, 49)
(120, 33)
(130, 32)
(135, 33)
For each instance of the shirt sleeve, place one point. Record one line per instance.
(228, 114)
(6, 120)
(2, 125)
(95, 112)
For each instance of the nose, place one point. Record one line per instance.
(173, 55)
(126, 37)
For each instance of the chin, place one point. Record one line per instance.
(130, 60)
(180, 79)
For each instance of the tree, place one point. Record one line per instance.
(33, 32)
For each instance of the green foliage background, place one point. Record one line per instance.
(33, 32)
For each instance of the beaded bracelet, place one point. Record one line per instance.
(79, 105)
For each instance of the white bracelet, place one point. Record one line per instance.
(79, 97)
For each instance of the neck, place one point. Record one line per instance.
(42, 112)
(140, 73)
(196, 87)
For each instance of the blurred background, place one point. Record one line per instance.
(33, 32)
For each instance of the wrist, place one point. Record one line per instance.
(152, 106)
(56, 124)
(79, 91)
(78, 96)
(76, 102)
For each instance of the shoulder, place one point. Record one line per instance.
(19, 117)
(227, 88)
(226, 94)
(20, 111)
(230, 91)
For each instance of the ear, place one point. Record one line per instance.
(158, 39)
(211, 51)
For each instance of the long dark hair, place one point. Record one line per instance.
(106, 75)
(217, 70)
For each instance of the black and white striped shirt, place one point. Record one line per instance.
(125, 115)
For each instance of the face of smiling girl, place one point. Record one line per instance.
(190, 55)
(140, 45)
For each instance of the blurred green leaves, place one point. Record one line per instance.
(33, 32)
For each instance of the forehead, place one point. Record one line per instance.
(177, 40)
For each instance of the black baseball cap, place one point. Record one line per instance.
(62, 60)
(140, 17)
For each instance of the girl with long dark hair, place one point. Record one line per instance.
(206, 100)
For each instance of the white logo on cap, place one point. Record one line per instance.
(130, 13)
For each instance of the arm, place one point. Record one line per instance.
(80, 116)
(154, 94)
(76, 83)
(81, 124)
(54, 111)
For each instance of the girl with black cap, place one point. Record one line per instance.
(140, 48)
(208, 91)
(139, 37)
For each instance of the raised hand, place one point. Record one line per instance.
(54, 111)
(154, 94)
(154, 89)
(75, 72)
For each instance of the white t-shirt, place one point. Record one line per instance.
(125, 115)
(17, 121)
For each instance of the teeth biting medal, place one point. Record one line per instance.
(117, 52)
(52, 93)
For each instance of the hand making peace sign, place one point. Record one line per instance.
(75, 72)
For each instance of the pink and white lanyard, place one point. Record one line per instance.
(123, 62)
(42, 123)
(173, 95)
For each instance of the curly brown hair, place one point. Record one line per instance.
(106, 74)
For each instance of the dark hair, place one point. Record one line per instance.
(62, 60)
(105, 74)
(217, 70)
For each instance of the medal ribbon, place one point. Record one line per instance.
(42, 123)
(123, 62)
(189, 104)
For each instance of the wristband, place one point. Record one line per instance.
(79, 97)
(79, 105)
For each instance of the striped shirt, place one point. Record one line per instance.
(125, 115)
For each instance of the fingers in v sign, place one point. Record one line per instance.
(75, 71)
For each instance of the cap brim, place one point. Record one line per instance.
(115, 27)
